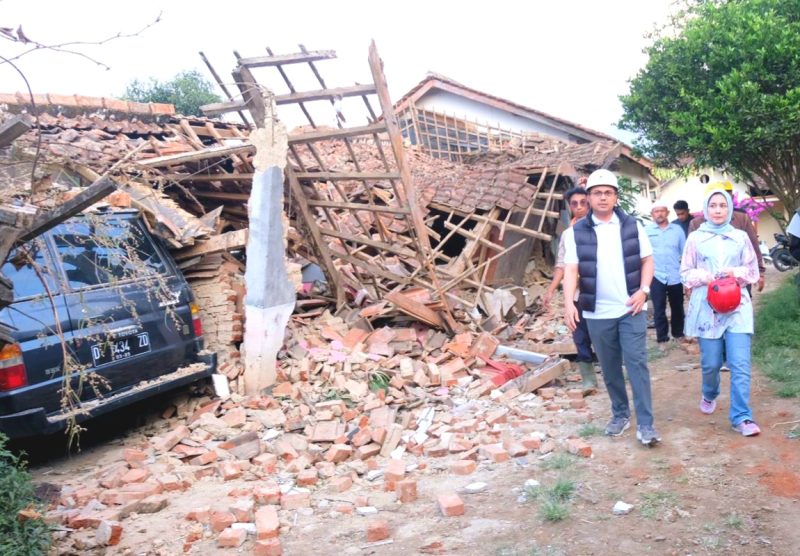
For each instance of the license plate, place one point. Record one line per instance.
(120, 348)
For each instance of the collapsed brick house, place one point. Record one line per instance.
(486, 216)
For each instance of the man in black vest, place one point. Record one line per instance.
(612, 255)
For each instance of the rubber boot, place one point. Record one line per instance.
(589, 377)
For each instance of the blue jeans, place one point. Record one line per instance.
(735, 346)
(624, 340)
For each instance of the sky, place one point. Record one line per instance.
(569, 58)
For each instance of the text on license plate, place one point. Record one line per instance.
(120, 348)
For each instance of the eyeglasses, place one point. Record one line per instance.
(608, 193)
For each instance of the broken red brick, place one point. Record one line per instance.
(307, 477)
(361, 437)
(341, 484)
(201, 514)
(295, 500)
(231, 538)
(267, 462)
(406, 490)
(230, 470)
(339, 453)
(268, 547)
(167, 442)
(135, 476)
(204, 459)
(463, 467)
(368, 451)
(516, 449)
(134, 456)
(450, 505)
(221, 521)
(377, 530)
(579, 447)
(495, 453)
(531, 442)
(395, 470)
(268, 493)
(267, 523)
(109, 533)
(236, 417)
(208, 408)
(242, 510)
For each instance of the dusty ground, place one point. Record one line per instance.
(705, 490)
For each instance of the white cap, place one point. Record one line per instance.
(602, 177)
(659, 204)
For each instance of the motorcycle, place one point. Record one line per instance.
(782, 259)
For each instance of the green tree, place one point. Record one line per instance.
(722, 89)
(188, 91)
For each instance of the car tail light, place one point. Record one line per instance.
(196, 323)
(12, 368)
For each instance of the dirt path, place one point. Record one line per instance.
(705, 490)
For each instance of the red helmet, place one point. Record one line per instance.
(724, 294)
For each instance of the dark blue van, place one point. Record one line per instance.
(100, 296)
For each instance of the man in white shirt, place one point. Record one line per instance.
(611, 253)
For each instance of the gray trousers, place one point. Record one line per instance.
(618, 341)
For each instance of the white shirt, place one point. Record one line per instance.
(611, 293)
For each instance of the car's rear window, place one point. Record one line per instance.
(106, 251)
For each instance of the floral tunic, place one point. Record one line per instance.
(706, 254)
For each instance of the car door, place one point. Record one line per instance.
(128, 310)
(40, 324)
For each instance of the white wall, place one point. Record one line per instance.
(474, 111)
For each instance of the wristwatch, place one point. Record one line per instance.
(646, 290)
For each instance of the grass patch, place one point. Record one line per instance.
(776, 349)
(19, 537)
(655, 502)
(734, 521)
(589, 430)
(553, 500)
(562, 490)
(560, 462)
(553, 510)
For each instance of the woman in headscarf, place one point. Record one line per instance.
(716, 250)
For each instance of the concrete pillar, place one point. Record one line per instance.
(270, 295)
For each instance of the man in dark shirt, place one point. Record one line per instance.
(681, 209)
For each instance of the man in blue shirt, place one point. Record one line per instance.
(667, 240)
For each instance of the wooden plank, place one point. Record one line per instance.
(380, 245)
(86, 198)
(555, 348)
(204, 178)
(222, 196)
(325, 94)
(538, 377)
(407, 193)
(341, 176)
(222, 86)
(218, 108)
(373, 269)
(319, 247)
(182, 158)
(312, 136)
(282, 59)
(216, 244)
(415, 309)
(357, 206)
(13, 128)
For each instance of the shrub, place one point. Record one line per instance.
(19, 536)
